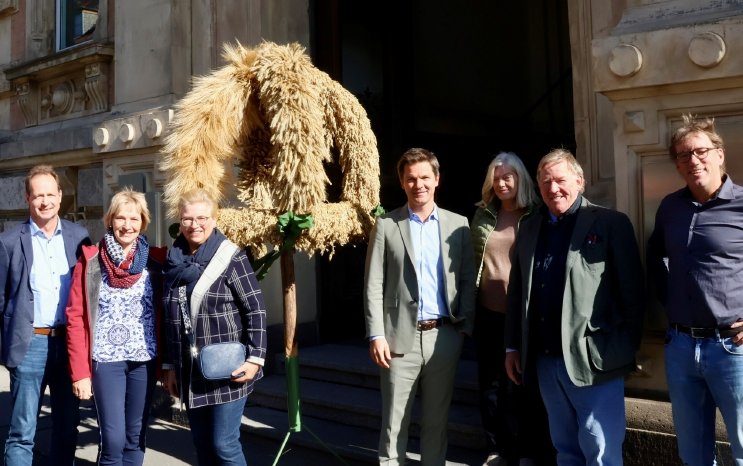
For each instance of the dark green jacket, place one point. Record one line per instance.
(483, 223)
(603, 303)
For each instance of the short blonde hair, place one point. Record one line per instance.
(194, 197)
(561, 155)
(127, 196)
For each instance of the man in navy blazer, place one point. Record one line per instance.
(575, 313)
(36, 263)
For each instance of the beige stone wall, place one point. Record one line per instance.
(6, 9)
(156, 46)
(637, 66)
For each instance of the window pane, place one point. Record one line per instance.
(77, 20)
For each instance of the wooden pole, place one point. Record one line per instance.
(289, 286)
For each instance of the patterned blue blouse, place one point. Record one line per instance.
(125, 327)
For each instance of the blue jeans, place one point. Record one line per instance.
(587, 424)
(704, 373)
(45, 364)
(216, 433)
(122, 399)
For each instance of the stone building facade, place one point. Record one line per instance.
(94, 96)
(98, 105)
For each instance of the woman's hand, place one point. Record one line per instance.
(245, 372)
(170, 382)
(83, 389)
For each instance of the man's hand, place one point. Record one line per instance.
(738, 339)
(170, 383)
(245, 372)
(513, 366)
(83, 388)
(379, 351)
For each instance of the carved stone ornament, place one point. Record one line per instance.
(101, 137)
(625, 60)
(26, 96)
(96, 86)
(707, 49)
(8, 7)
(62, 98)
(65, 85)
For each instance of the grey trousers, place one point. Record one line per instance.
(432, 363)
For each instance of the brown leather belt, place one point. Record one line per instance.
(49, 331)
(707, 332)
(431, 324)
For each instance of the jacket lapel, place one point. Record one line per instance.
(403, 223)
(445, 235)
(70, 245)
(583, 223)
(527, 238)
(26, 246)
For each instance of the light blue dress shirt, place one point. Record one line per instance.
(429, 265)
(50, 277)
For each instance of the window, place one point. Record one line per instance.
(76, 21)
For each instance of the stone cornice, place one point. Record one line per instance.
(60, 63)
(62, 86)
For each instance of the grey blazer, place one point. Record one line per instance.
(603, 301)
(16, 298)
(391, 278)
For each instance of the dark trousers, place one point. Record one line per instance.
(513, 416)
(122, 391)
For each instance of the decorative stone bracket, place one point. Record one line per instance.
(67, 85)
(134, 131)
(8, 7)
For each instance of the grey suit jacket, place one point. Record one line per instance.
(16, 298)
(391, 278)
(603, 301)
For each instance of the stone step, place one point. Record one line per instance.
(356, 445)
(351, 365)
(361, 407)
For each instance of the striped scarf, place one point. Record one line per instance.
(123, 272)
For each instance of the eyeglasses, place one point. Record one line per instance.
(200, 221)
(700, 153)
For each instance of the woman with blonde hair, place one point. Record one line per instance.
(212, 302)
(112, 328)
(508, 196)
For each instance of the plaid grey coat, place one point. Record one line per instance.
(232, 310)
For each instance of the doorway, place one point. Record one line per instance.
(464, 79)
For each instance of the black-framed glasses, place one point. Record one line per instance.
(200, 221)
(700, 153)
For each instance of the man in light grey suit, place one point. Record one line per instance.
(36, 262)
(575, 312)
(419, 301)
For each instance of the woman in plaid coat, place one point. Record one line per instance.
(223, 305)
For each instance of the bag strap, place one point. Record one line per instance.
(187, 328)
(213, 270)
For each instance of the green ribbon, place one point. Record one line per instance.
(290, 226)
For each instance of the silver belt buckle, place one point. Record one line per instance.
(693, 332)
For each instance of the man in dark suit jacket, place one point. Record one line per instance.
(36, 263)
(420, 299)
(575, 312)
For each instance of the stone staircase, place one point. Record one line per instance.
(341, 405)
